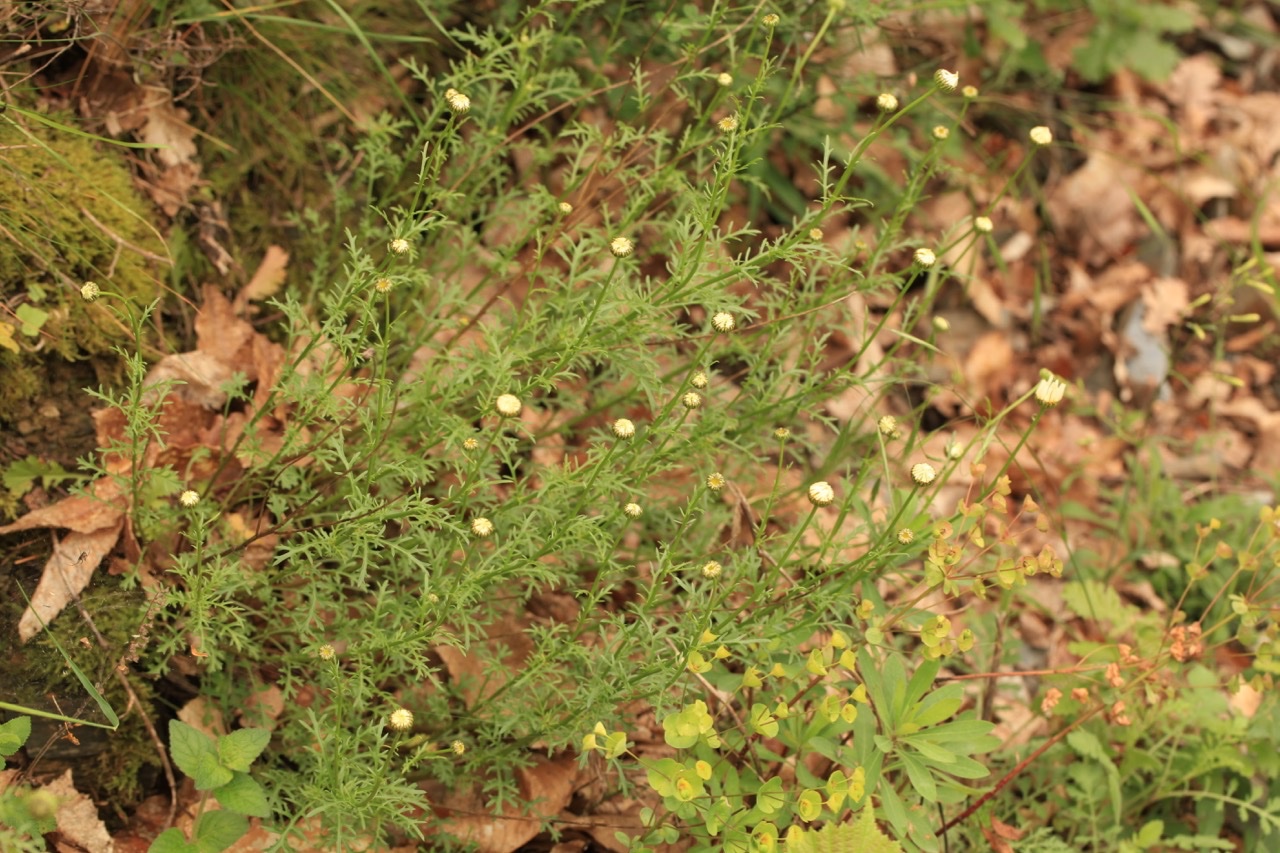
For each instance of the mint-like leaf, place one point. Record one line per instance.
(239, 749)
(172, 841)
(216, 831)
(195, 754)
(13, 735)
(244, 796)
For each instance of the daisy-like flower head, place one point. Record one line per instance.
(383, 284)
(728, 124)
(946, 80)
(470, 444)
(482, 527)
(1040, 135)
(189, 498)
(816, 235)
(821, 494)
(632, 510)
(969, 92)
(399, 246)
(716, 481)
(906, 536)
(1050, 390)
(886, 103)
(925, 257)
(624, 428)
(723, 322)
(325, 652)
(770, 20)
(923, 474)
(712, 569)
(90, 291)
(941, 132)
(782, 433)
(621, 247)
(400, 720)
(983, 224)
(458, 747)
(565, 207)
(458, 102)
(508, 405)
(691, 400)
(724, 78)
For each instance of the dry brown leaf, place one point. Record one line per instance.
(546, 788)
(79, 827)
(202, 714)
(68, 571)
(266, 279)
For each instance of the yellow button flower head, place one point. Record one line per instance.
(699, 380)
(458, 102)
(925, 257)
(621, 247)
(724, 78)
(770, 20)
(888, 426)
(906, 536)
(624, 428)
(923, 473)
(723, 322)
(189, 498)
(565, 207)
(1050, 390)
(470, 444)
(458, 747)
(941, 132)
(383, 284)
(946, 80)
(728, 124)
(399, 246)
(508, 405)
(325, 652)
(90, 291)
(970, 92)
(715, 482)
(632, 510)
(886, 103)
(1040, 135)
(712, 569)
(821, 493)
(482, 527)
(782, 433)
(983, 224)
(691, 400)
(400, 720)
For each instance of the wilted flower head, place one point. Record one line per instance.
(400, 720)
(723, 322)
(925, 257)
(624, 428)
(458, 102)
(90, 291)
(945, 79)
(621, 247)
(821, 493)
(482, 527)
(508, 405)
(923, 473)
(189, 498)
(1040, 135)
(886, 103)
(1050, 390)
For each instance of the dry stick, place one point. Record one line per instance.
(1022, 765)
(133, 699)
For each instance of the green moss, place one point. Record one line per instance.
(69, 213)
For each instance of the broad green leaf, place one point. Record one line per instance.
(196, 755)
(238, 750)
(920, 777)
(244, 796)
(172, 841)
(13, 735)
(218, 830)
(32, 318)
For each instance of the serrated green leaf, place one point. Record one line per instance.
(238, 750)
(218, 830)
(244, 796)
(196, 755)
(13, 735)
(172, 841)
